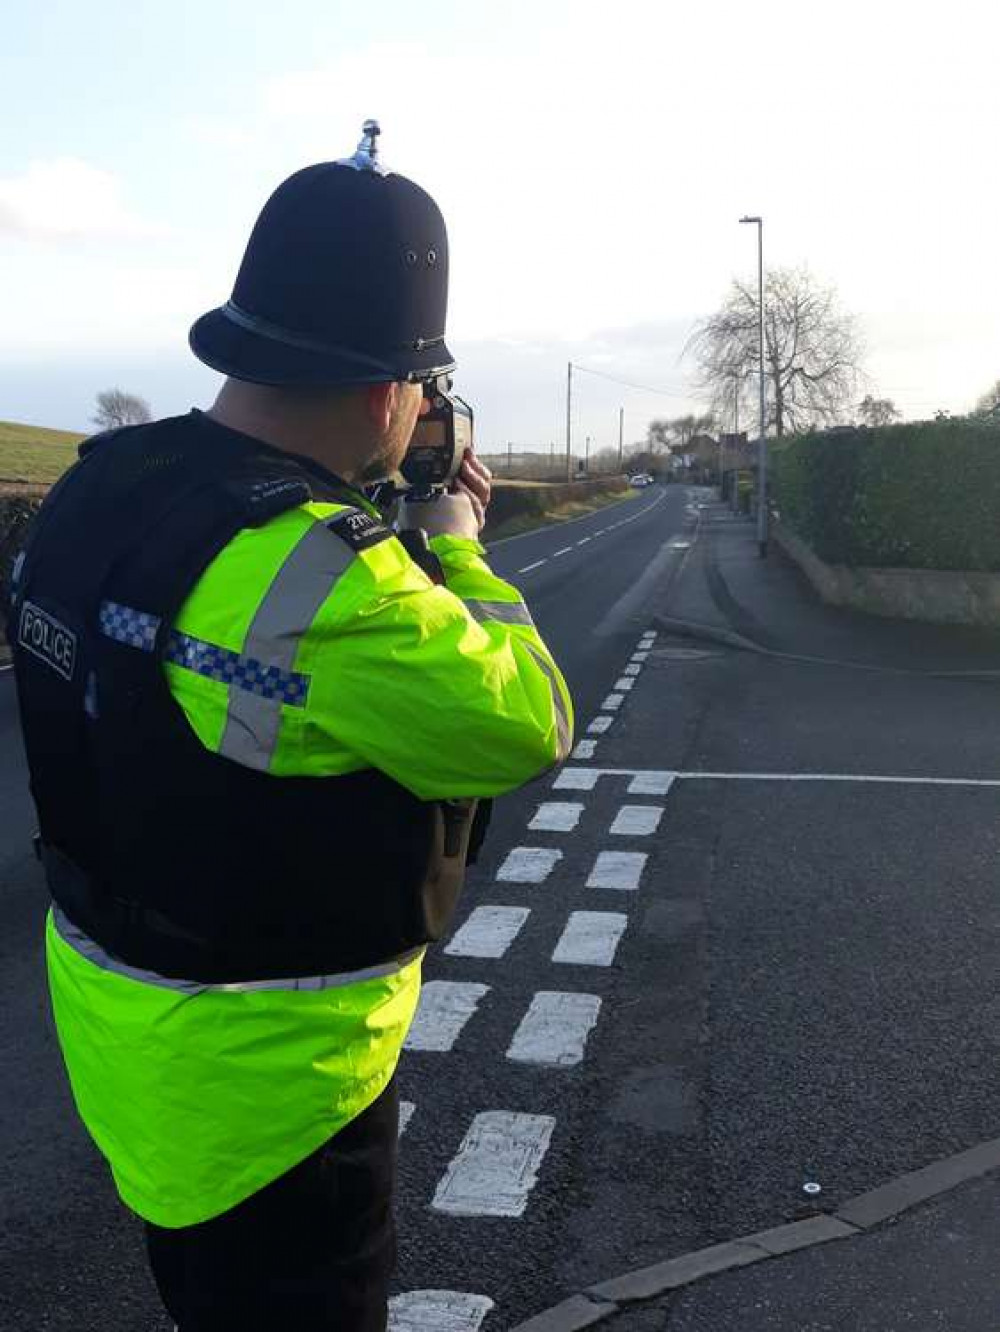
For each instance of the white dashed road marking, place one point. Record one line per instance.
(637, 820)
(639, 656)
(576, 779)
(613, 702)
(444, 1009)
(557, 816)
(529, 864)
(565, 551)
(497, 1165)
(620, 870)
(632, 670)
(555, 1028)
(651, 783)
(406, 1109)
(590, 938)
(488, 932)
(585, 749)
(537, 565)
(599, 725)
(437, 1311)
(584, 541)
(627, 682)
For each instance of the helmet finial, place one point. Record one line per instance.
(366, 156)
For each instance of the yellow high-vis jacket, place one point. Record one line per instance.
(201, 1094)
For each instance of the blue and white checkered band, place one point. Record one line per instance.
(231, 668)
(137, 629)
(134, 628)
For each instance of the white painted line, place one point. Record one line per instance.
(651, 783)
(627, 682)
(444, 1009)
(577, 779)
(497, 1165)
(632, 670)
(583, 541)
(556, 816)
(555, 1028)
(620, 870)
(637, 820)
(488, 932)
(437, 1311)
(590, 938)
(406, 1109)
(585, 749)
(601, 532)
(639, 656)
(529, 864)
(565, 551)
(835, 777)
(680, 545)
(600, 725)
(613, 702)
(537, 565)
(5, 669)
(649, 636)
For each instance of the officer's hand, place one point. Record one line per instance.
(474, 480)
(447, 515)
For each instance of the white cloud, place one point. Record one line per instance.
(65, 199)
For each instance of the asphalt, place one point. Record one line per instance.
(846, 936)
(807, 991)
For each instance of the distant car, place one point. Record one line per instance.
(640, 479)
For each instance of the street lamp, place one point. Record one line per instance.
(762, 442)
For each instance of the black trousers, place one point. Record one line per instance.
(311, 1252)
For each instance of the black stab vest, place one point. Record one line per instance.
(170, 857)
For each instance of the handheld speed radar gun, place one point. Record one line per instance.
(439, 441)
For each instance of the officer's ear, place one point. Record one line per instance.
(381, 401)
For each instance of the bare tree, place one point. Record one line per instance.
(989, 403)
(812, 351)
(676, 432)
(876, 412)
(116, 408)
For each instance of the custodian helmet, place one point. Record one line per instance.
(344, 281)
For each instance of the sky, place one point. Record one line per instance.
(591, 160)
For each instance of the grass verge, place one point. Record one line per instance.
(34, 454)
(531, 522)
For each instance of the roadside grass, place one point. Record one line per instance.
(34, 454)
(530, 522)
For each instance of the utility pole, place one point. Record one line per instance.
(510, 462)
(586, 458)
(552, 458)
(762, 441)
(621, 435)
(569, 420)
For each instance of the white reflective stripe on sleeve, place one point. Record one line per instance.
(506, 612)
(93, 952)
(286, 612)
(564, 731)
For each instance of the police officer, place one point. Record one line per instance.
(256, 730)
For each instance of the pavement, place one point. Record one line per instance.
(918, 1251)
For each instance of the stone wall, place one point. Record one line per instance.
(930, 595)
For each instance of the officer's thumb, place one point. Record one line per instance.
(445, 515)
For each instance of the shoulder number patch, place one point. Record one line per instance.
(359, 529)
(44, 637)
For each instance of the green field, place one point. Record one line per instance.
(34, 454)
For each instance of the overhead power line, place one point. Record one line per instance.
(642, 388)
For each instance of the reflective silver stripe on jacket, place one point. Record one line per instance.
(506, 612)
(82, 943)
(564, 731)
(290, 605)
